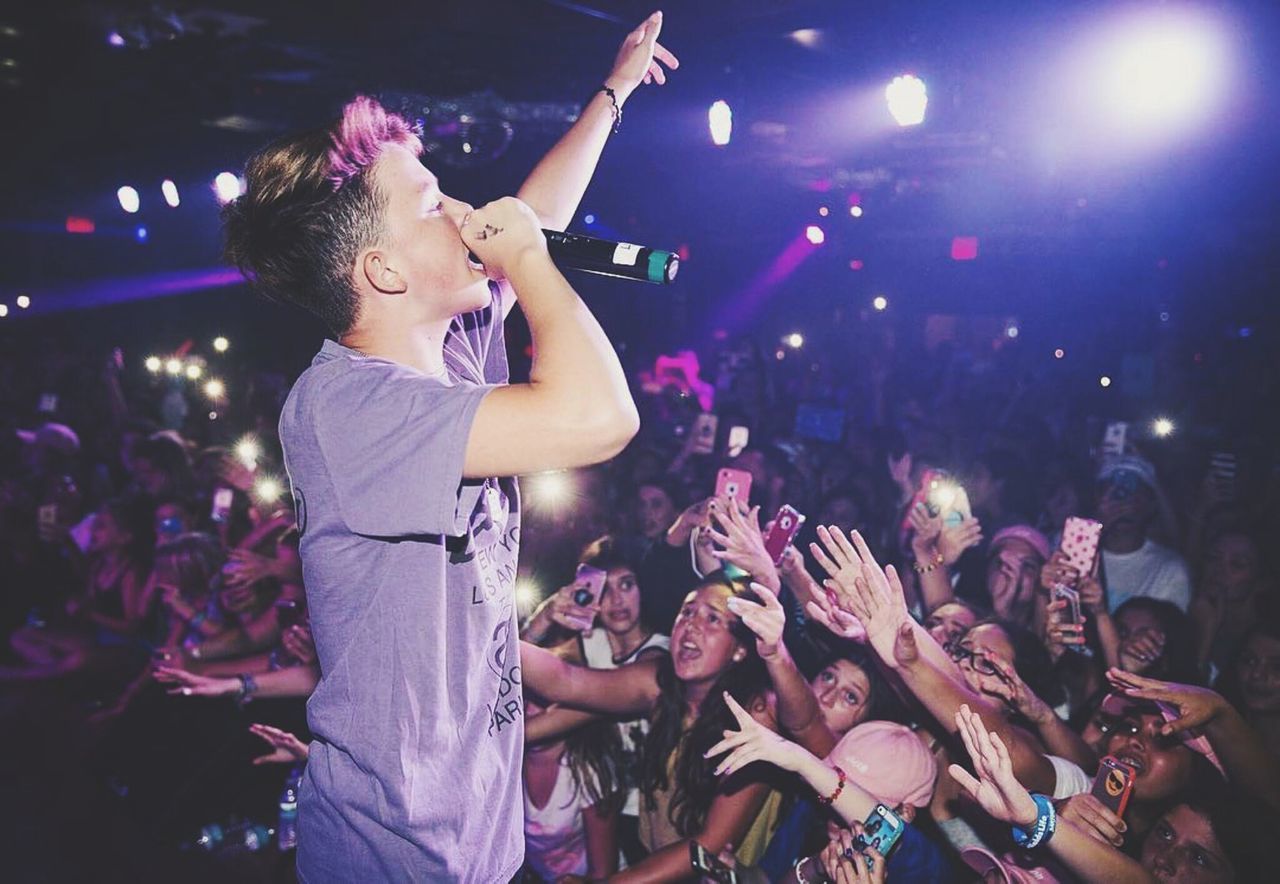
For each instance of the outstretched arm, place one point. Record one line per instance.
(556, 185)
(627, 690)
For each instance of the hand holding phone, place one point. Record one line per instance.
(222, 499)
(1114, 784)
(881, 830)
(786, 525)
(702, 435)
(735, 484)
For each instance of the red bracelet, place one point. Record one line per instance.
(839, 788)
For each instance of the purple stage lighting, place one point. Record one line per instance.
(226, 187)
(907, 98)
(170, 191)
(815, 235)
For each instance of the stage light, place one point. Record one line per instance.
(1162, 427)
(1164, 69)
(824, 211)
(226, 187)
(221, 344)
(856, 264)
(549, 489)
(4, 310)
(116, 39)
(855, 211)
(1104, 381)
(194, 371)
(1011, 331)
(173, 366)
(76, 224)
(129, 199)
(268, 489)
(720, 119)
(526, 595)
(795, 340)
(248, 451)
(880, 303)
(807, 37)
(140, 234)
(907, 98)
(153, 364)
(170, 191)
(814, 234)
(215, 389)
(1059, 353)
(589, 219)
(23, 302)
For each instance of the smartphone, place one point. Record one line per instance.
(47, 515)
(288, 613)
(709, 865)
(738, 439)
(1222, 467)
(1072, 614)
(588, 586)
(222, 498)
(881, 830)
(1114, 437)
(1113, 784)
(786, 525)
(944, 496)
(703, 433)
(735, 484)
(1080, 543)
(819, 423)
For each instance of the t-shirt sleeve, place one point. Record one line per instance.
(393, 444)
(1174, 584)
(1070, 778)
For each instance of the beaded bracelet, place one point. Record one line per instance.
(1042, 831)
(617, 108)
(839, 787)
(925, 569)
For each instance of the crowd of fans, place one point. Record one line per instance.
(903, 694)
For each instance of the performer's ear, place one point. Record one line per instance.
(379, 273)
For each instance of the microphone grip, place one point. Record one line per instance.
(573, 251)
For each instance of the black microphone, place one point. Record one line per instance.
(573, 251)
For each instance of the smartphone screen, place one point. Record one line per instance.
(785, 527)
(1072, 614)
(1113, 784)
(47, 514)
(880, 831)
(739, 437)
(735, 484)
(709, 865)
(221, 504)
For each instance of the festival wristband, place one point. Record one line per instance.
(1045, 824)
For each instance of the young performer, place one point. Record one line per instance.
(399, 441)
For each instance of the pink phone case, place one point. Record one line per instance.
(785, 527)
(735, 484)
(1080, 543)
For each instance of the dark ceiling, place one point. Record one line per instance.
(196, 86)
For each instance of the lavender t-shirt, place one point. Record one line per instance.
(414, 773)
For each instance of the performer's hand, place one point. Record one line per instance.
(640, 59)
(501, 233)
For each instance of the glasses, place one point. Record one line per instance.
(980, 664)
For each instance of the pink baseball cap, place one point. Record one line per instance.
(1035, 539)
(889, 761)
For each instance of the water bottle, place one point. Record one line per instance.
(287, 828)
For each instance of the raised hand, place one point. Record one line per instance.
(844, 863)
(188, 684)
(641, 57)
(245, 567)
(742, 542)
(1141, 650)
(753, 742)
(766, 619)
(995, 789)
(1060, 636)
(955, 539)
(286, 748)
(825, 611)
(861, 588)
(1056, 572)
(298, 642)
(1196, 706)
(1010, 687)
